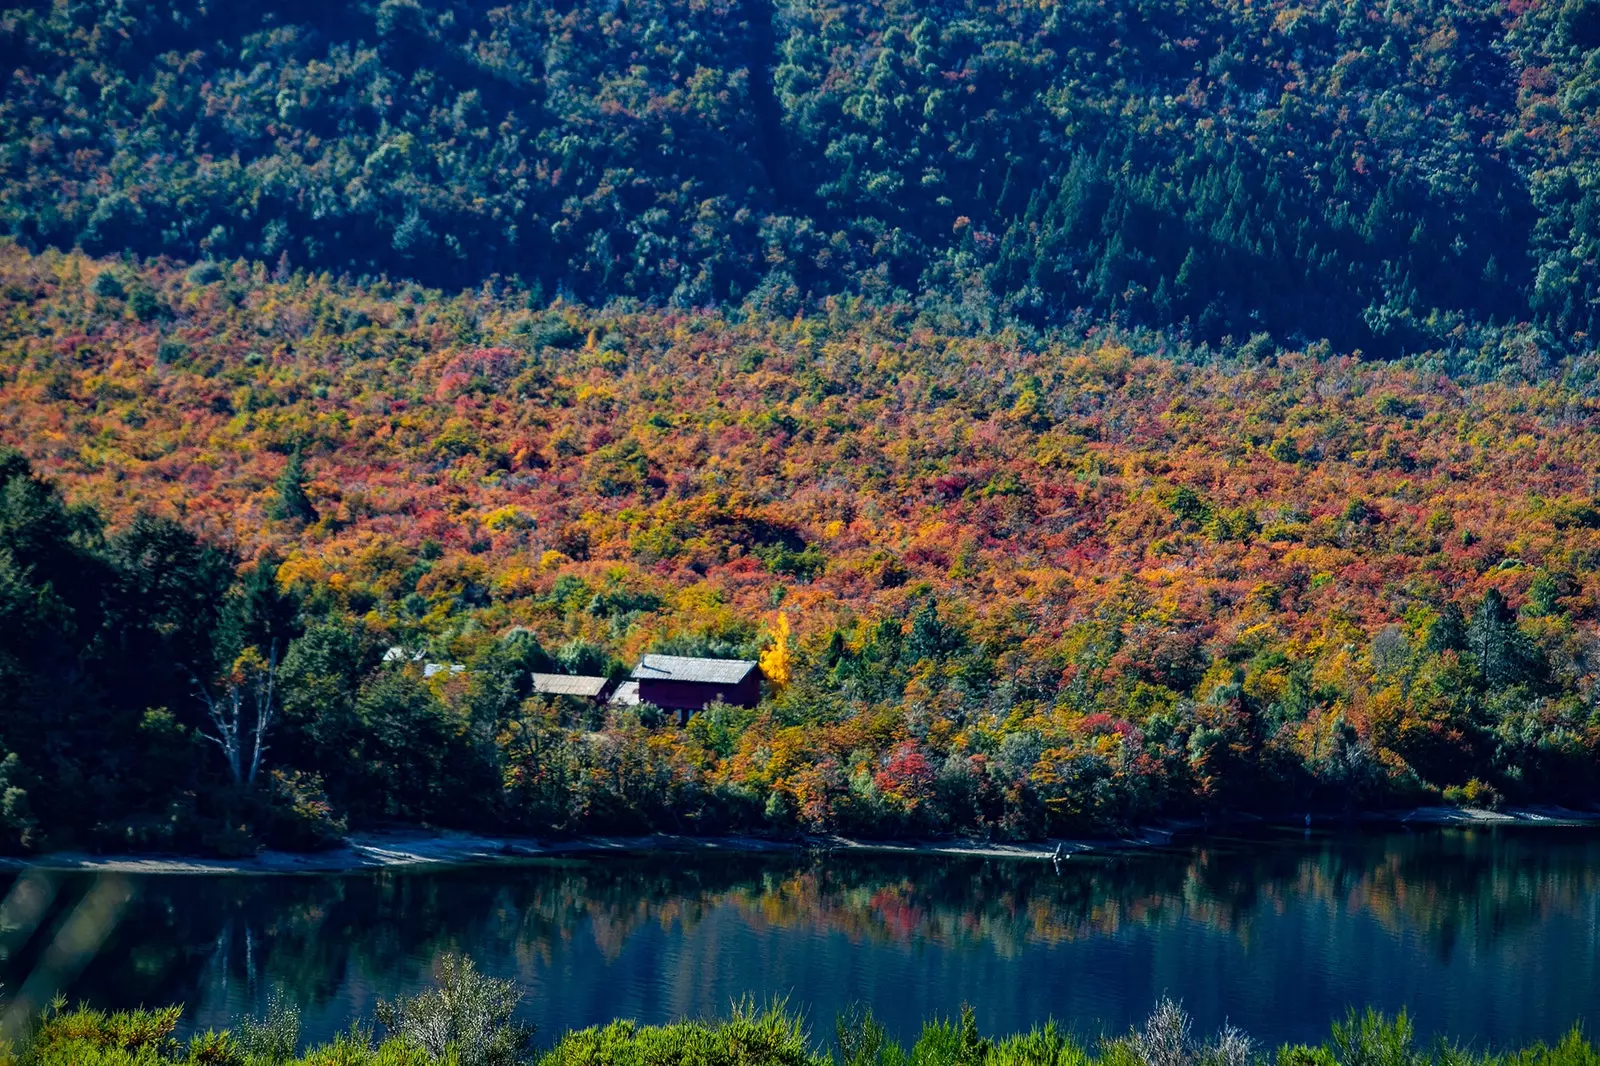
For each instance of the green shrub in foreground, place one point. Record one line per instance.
(467, 1021)
(749, 1037)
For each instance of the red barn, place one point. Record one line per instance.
(685, 684)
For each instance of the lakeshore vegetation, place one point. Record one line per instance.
(469, 1020)
(1088, 413)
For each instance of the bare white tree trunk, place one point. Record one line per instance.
(227, 720)
(265, 711)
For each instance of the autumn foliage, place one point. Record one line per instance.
(1036, 586)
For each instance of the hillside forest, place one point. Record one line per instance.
(999, 586)
(1087, 413)
(1395, 177)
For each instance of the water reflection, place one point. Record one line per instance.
(1486, 935)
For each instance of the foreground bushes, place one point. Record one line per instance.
(467, 1021)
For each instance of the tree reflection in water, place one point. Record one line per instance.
(659, 935)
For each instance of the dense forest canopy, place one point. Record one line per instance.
(1088, 412)
(1388, 177)
(1000, 586)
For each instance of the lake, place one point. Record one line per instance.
(1488, 935)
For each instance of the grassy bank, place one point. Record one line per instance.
(468, 1020)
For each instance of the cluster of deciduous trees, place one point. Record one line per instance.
(1392, 179)
(1014, 587)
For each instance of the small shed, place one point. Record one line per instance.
(593, 689)
(626, 695)
(687, 684)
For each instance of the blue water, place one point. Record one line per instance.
(1488, 936)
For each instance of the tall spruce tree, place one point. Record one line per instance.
(293, 503)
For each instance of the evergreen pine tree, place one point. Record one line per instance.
(293, 503)
(1493, 639)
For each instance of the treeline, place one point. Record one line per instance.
(146, 675)
(1004, 587)
(106, 643)
(469, 1020)
(1419, 176)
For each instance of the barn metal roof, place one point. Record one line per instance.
(569, 685)
(688, 668)
(627, 695)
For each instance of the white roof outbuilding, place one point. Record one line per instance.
(690, 668)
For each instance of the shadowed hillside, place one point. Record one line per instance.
(1391, 178)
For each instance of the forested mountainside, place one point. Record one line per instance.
(999, 585)
(1390, 177)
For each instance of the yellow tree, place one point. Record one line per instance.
(776, 661)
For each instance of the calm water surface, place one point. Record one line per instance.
(1491, 936)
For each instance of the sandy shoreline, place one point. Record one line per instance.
(374, 851)
(1510, 816)
(416, 848)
